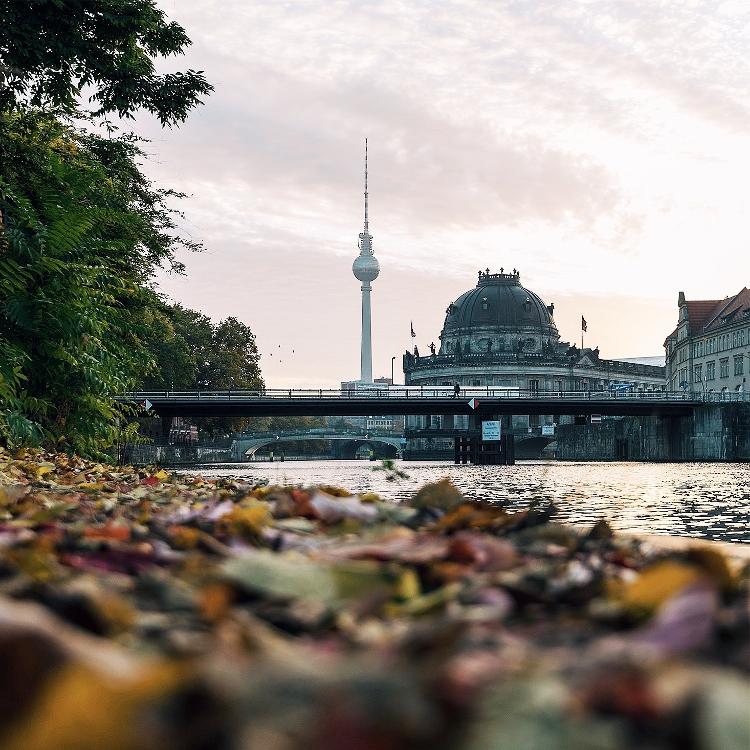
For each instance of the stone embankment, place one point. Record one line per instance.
(715, 432)
(139, 609)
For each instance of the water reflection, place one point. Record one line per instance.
(699, 500)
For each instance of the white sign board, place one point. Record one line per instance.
(548, 429)
(596, 419)
(491, 430)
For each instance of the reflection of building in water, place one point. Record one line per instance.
(710, 348)
(500, 334)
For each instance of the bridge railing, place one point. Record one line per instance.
(315, 433)
(439, 392)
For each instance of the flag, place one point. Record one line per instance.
(413, 335)
(584, 327)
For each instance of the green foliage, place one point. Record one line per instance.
(392, 472)
(82, 232)
(193, 354)
(51, 51)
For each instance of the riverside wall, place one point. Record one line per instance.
(715, 432)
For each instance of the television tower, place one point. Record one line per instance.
(366, 269)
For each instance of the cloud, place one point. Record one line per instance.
(601, 147)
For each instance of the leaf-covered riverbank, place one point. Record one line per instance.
(140, 610)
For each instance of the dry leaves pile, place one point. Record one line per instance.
(144, 610)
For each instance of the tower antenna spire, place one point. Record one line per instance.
(366, 268)
(366, 225)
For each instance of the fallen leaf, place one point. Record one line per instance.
(658, 583)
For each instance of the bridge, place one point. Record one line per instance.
(247, 445)
(680, 425)
(424, 400)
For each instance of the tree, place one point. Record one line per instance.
(83, 232)
(192, 353)
(51, 51)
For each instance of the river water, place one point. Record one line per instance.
(711, 501)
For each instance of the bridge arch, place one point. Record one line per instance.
(247, 447)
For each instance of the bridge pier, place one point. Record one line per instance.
(472, 449)
(164, 430)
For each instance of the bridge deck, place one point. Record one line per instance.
(423, 401)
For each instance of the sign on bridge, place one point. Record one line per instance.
(491, 429)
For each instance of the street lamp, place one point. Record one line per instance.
(393, 361)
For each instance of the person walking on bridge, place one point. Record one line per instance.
(456, 390)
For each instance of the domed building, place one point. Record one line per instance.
(501, 334)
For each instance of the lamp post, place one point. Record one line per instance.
(393, 361)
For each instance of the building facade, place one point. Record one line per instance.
(500, 334)
(709, 350)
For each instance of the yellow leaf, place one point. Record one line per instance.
(81, 709)
(248, 521)
(407, 585)
(90, 486)
(658, 583)
(43, 469)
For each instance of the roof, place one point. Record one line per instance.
(708, 315)
(699, 311)
(655, 361)
(498, 303)
(729, 310)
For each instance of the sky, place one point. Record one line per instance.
(601, 147)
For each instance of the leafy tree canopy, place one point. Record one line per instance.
(82, 230)
(193, 353)
(82, 233)
(52, 51)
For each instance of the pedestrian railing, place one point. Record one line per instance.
(436, 393)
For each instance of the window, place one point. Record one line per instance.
(476, 382)
(724, 367)
(698, 373)
(534, 386)
(739, 364)
(711, 370)
(534, 420)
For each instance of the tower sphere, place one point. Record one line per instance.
(366, 267)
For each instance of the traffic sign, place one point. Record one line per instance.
(473, 403)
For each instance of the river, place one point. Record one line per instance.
(710, 500)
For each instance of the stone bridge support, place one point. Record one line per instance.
(714, 432)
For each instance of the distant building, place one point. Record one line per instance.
(381, 423)
(500, 334)
(709, 350)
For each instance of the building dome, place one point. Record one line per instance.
(498, 315)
